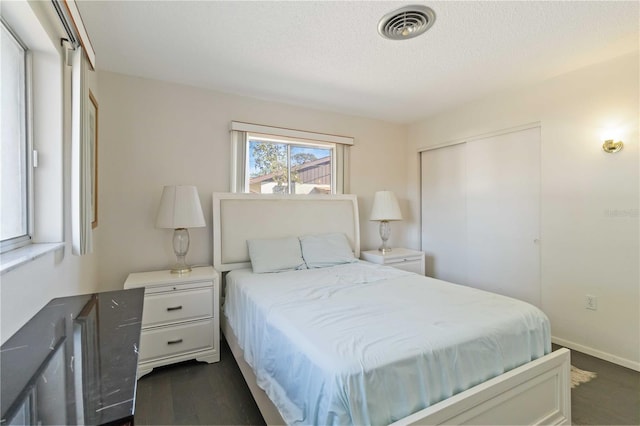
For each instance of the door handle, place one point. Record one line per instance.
(174, 342)
(174, 308)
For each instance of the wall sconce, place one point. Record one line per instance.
(609, 144)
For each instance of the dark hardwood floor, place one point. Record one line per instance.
(216, 394)
(197, 393)
(612, 398)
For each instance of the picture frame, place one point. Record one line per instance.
(93, 154)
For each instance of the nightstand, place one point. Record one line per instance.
(180, 317)
(401, 258)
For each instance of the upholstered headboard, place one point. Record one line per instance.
(240, 217)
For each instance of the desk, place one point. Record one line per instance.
(74, 362)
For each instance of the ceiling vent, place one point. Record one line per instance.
(406, 22)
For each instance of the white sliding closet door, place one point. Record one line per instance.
(444, 217)
(503, 214)
(481, 214)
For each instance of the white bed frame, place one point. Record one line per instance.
(538, 392)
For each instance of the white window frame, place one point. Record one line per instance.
(36, 24)
(241, 133)
(27, 150)
(289, 143)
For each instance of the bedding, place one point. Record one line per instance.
(368, 344)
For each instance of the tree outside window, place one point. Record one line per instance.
(289, 168)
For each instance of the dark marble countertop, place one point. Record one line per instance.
(74, 362)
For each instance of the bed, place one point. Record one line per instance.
(287, 332)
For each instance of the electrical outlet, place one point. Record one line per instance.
(591, 302)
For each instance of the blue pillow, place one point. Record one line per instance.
(323, 250)
(275, 255)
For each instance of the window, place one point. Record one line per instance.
(278, 166)
(32, 91)
(272, 160)
(14, 172)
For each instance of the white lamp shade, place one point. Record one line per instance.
(180, 208)
(385, 207)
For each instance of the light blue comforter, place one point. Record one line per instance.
(367, 344)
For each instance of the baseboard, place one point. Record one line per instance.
(634, 365)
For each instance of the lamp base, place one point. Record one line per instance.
(181, 269)
(180, 248)
(385, 232)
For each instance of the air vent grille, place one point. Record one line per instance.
(406, 22)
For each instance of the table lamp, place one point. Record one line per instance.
(180, 209)
(385, 208)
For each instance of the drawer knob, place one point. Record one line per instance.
(174, 308)
(174, 342)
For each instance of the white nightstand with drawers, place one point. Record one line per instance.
(180, 318)
(401, 258)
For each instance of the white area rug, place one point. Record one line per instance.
(581, 376)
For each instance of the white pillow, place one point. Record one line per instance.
(275, 255)
(323, 250)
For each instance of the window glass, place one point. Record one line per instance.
(289, 167)
(13, 130)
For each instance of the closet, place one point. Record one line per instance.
(480, 204)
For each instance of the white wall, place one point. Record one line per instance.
(155, 133)
(26, 289)
(589, 199)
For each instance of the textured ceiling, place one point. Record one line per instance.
(328, 54)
